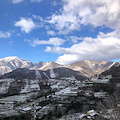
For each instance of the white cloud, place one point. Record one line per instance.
(4, 34)
(75, 39)
(91, 12)
(36, 1)
(16, 1)
(26, 25)
(95, 13)
(52, 41)
(65, 23)
(104, 47)
(37, 17)
(54, 3)
(51, 32)
(67, 59)
(39, 20)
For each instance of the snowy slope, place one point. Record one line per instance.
(46, 66)
(87, 68)
(52, 74)
(30, 85)
(4, 85)
(9, 64)
(90, 67)
(56, 73)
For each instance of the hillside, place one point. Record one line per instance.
(57, 73)
(90, 67)
(87, 68)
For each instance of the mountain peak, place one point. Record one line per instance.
(86, 67)
(13, 62)
(90, 67)
(10, 58)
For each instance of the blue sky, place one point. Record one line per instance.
(64, 31)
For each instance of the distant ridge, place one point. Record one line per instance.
(56, 73)
(91, 67)
(86, 68)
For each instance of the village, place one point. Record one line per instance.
(60, 99)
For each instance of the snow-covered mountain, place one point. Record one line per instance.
(86, 68)
(9, 64)
(46, 66)
(90, 67)
(114, 71)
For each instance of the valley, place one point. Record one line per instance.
(85, 90)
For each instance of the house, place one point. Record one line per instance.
(27, 109)
(91, 115)
(100, 94)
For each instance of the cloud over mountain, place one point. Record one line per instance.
(75, 15)
(68, 30)
(104, 47)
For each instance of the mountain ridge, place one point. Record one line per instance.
(87, 68)
(90, 67)
(56, 73)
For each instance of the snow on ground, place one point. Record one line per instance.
(111, 65)
(27, 109)
(45, 65)
(89, 63)
(34, 85)
(4, 85)
(38, 75)
(52, 74)
(18, 98)
(69, 78)
(54, 86)
(77, 68)
(46, 75)
(66, 91)
(30, 86)
(25, 89)
(9, 113)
